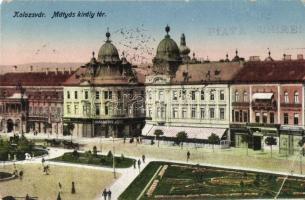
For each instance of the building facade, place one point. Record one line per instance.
(32, 101)
(105, 97)
(268, 100)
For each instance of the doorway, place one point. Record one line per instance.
(10, 125)
(257, 143)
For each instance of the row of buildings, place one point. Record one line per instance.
(109, 96)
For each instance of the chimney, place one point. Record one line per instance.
(254, 58)
(47, 71)
(300, 57)
(286, 57)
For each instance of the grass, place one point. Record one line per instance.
(100, 160)
(210, 183)
(88, 182)
(136, 187)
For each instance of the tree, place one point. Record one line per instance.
(158, 133)
(68, 128)
(301, 144)
(94, 150)
(213, 139)
(270, 141)
(245, 138)
(181, 137)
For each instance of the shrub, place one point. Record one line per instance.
(109, 155)
(94, 150)
(75, 154)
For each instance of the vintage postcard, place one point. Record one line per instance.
(152, 100)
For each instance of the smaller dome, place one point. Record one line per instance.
(168, 48)
(108, 52)
(269, 58)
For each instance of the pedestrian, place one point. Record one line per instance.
(188, 155)
(73, 188)
(139, 164)
(109, 194)
(134, 164)
(143, 158)
(59, 185)
(42, 161)
(105, 194)
(21, 174)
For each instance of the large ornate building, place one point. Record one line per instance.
(105, 97)
(185, 95)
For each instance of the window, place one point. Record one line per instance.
(86, 95)
(245, 97)
(296, 119)
(97, 95)
(68, 94)
(97, 109)
(236, 96)
(75, 94)
(106, 110)
(257, 117)
(76, 109)
(212, 96)
(162, 112)
(236, 116)
(193, 94)
(296, 97)
(110, 94)
(265, 115)
(212, 113)
(105, 94)
(202, 95)
(119, 95)
(149, 112)
(183, 94)
(271, 115)
(286, 98)
(175, 97)
(161, 93)
(175, 113)
(202, 113)
(286, 118)
(68, 109)
(245, 115)
(222, 95)
(193, 113)
(221, 113)
(183, 113)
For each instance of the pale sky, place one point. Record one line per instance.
(212, 29)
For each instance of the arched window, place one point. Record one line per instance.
(236, 96)
(245, 97)
(296, 97)
(286, 97)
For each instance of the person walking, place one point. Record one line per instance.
(139, 164)
(109, 194)
(188, 155)
(134, 164)
(105, 194)
(143, 158)
(73, 188)
(60, 186)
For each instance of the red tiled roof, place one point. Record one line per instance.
(276, 71)
(34, 78)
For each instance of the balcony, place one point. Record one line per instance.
(241, 104)
(264, 105)
(291, 105)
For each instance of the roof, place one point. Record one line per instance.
(34, 78)
(215, 72)
(272, 71)
(262, 95)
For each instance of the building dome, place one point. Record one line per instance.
(168, 48)
(108, 53)
(184, 50)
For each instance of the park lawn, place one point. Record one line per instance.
(210, 183)
(88, 182)
(136, 187)
(100, 160)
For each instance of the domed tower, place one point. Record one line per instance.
(108, 53)
(184, 50)
(168, 56)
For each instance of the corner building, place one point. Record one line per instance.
(105, 97)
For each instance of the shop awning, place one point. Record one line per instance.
(262, 96)
(192, 132)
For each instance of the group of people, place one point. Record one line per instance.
(107, 193)
(139, 162)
